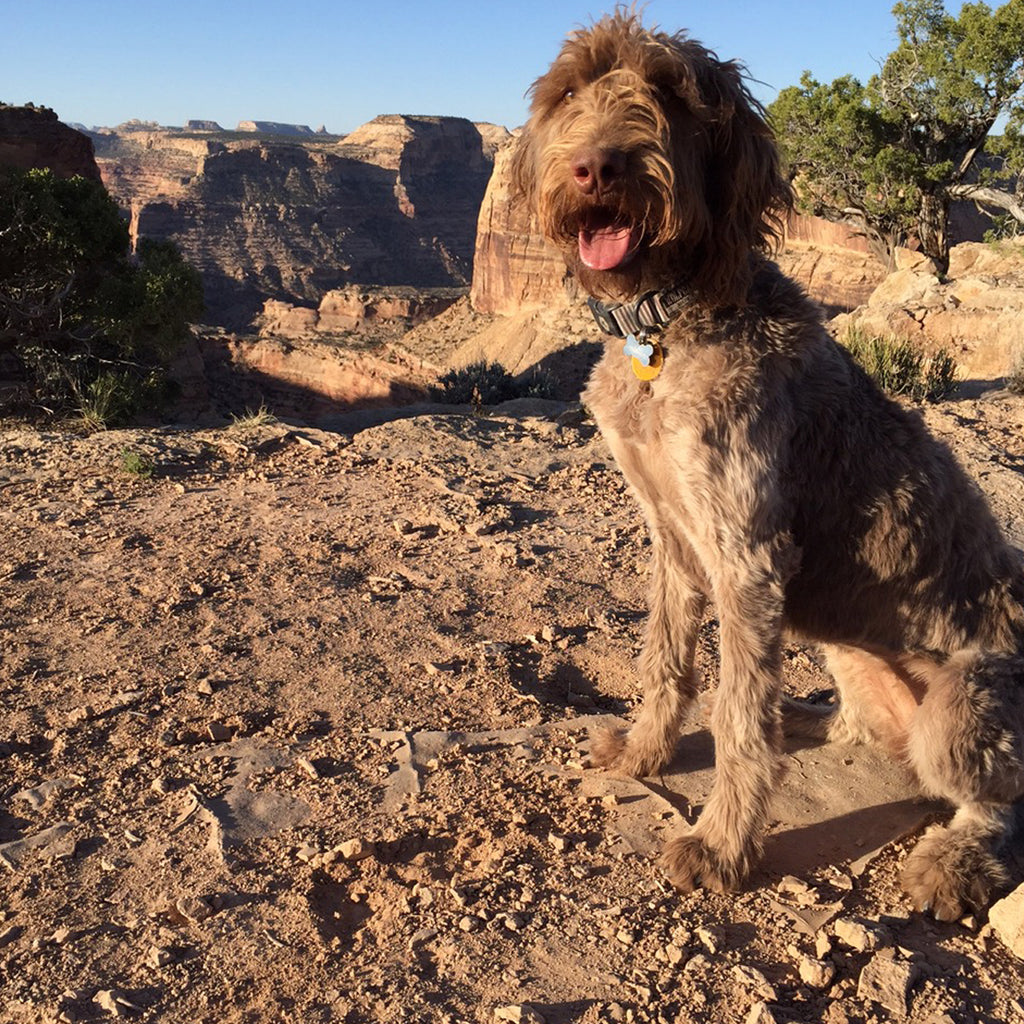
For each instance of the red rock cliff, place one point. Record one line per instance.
(33, 137)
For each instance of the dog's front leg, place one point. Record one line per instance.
(667, 664)
(728, 836)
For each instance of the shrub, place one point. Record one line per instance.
(252, 418)
(92, 325)
(480, 383)
(137, 463)
(899, 368)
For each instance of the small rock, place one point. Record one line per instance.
(470, 923)
(887, 981)
(860, 935)
(793, 885)
(159, 956)
(114, 1002)
(696, 963)
(355, 849)
(755, 982)
(822, 945)
(711, 938)
(625, 936)
(1006, 916)
(760, 1014)
(161, 785)
(9, 934)
(673, 954)
(816, 973)
(558, 843)
(218, 732)
(522, 1013)
(307, 853)
(193, 909)
(308, 767)
(421, 936)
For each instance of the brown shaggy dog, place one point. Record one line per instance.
(775, 477)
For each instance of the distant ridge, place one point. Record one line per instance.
(274, 128)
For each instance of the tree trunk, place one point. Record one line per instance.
(933, 227)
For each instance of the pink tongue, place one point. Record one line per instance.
(604, 248)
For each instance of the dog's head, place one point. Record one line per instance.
(648, 162)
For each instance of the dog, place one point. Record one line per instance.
(776, 479)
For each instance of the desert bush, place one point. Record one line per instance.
(900, 368)
(91, 324)
(480, 383)
(137, 463)
(252, 418)
(484, 383)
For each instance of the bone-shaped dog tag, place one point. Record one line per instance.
(645, 356)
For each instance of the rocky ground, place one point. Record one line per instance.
(294, 728)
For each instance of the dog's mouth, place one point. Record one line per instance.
(607, 240)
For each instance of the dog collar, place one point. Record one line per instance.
(650, 312)
(636, 321)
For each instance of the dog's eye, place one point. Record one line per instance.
(568, 95)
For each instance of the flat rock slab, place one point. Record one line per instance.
(836, 804)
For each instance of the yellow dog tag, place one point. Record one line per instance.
(645, 356)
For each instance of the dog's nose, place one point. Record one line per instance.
(597, 170)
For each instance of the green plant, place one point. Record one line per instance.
(91, 324)
(480, 383)
(261, 417)
(137, 463)
(900, 368)
(891, 156)
(541, 383)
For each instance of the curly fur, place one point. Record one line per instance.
(777, 481)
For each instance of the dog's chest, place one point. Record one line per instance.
(654, 429)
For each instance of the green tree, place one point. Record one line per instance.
(82, 313)
(893, 155)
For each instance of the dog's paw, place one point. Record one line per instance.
(619, 750)
(690, 863)
(951, 873)
(605, 747)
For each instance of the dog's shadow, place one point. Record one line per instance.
(835, 804)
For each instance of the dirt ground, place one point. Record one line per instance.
(293, 727)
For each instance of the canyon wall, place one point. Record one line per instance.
(394, 203)
(33, 137)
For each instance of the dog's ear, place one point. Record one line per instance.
(747, 195)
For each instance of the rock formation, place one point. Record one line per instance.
(356, 308)
(975, 311)
(274, 128)
(33, 137)
(395, 203)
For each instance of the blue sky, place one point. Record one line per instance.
(341, 63)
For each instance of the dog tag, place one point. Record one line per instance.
(646, 357)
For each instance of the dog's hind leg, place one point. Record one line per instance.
(666, 665)
(966, 744)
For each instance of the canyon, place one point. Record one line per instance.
(289, 218)
(356, 269)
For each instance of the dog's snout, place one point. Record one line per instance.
(598, 170)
